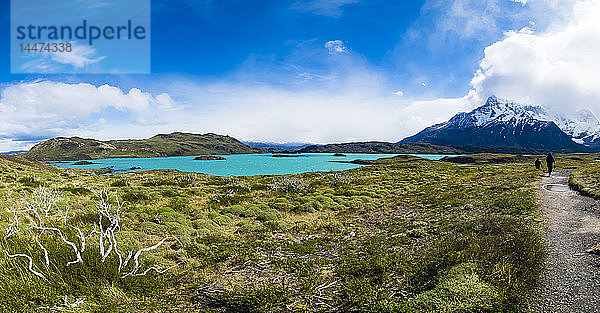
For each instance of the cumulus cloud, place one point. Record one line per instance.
(558, 67)
(42, 109)
(336, 47)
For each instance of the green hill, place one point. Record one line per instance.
(174, 144)
(382, 147)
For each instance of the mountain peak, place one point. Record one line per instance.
(491, 100)
(506, 123)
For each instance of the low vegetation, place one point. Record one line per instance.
(586, 177)
(402, 235)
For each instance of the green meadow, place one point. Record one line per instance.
(402, 235)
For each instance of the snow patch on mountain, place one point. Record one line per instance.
(582, 126)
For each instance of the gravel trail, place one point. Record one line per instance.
(571, 279)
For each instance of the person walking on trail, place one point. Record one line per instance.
(538, 164)
(549, 162)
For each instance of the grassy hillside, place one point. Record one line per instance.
(382, 147)
(403, 235)
(174, 144)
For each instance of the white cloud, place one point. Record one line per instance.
(484, 20)
(7, 145)
(336, 47)
(399, 93)
(80, 56)
(557, 68)
(44, 109)
(424, 113)
(357, 105)
(526, 30)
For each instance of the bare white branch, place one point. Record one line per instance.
(13, 227)
(81, 236)
(65, 240)
(136, 257)
(46, 257)
(30, 266)
(40, 214)
(66, 304)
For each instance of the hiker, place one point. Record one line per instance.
(538, 164)
(549, 162)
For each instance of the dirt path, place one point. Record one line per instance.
(571, 281)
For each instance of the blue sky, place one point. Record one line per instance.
(244, 67)
(214, 39)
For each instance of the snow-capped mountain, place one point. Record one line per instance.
(504, 123)
(582, 126)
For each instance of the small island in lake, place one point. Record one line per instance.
(339, 155)
(209, 158)
(84, 163)
(286, 155)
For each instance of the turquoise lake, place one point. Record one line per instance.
(240, 164)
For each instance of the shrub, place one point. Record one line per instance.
(77, 191)
(276, 225)
(459, 289)
(246, 227)
(178, 204)
(268, 215)
(204, 224)
(267, 298)
(250, 211)
(152, 228)
(233, 209)
(133, 197)
(222, 220)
